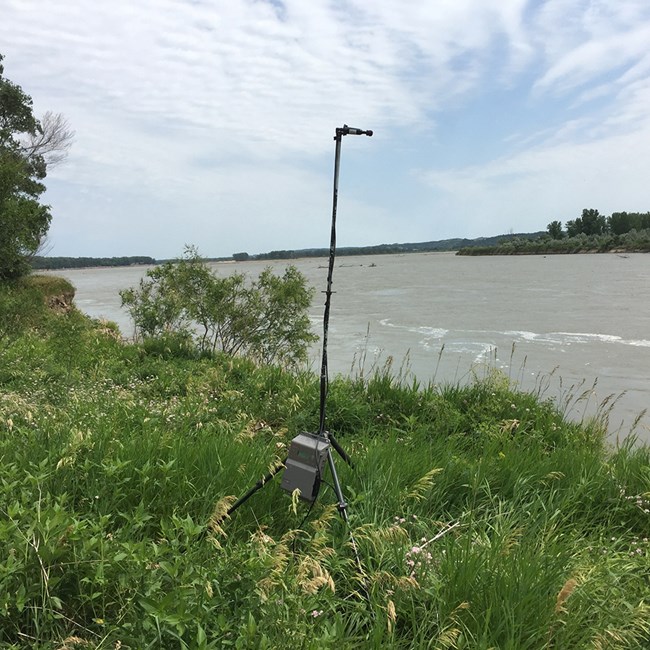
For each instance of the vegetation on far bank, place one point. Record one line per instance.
(443, 245)
(484, 519)
(621, 232)
(40, 263)
(436, 246)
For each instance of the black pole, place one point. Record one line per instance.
(342, 504)
(343, 511)
(328, 292)
(340, 132)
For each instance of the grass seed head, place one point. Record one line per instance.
(295, 500)
(567, 589)
(73, 642)
(312, 576)
(391, 614)
(421, 486)
(219, 513)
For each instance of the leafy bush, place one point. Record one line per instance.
(265, 319)
(24, 302)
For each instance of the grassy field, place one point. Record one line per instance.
(482, 517)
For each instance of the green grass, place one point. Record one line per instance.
(483, 518)
(48, 285)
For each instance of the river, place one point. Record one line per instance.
(566, 326)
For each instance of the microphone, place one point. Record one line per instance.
(348, 130)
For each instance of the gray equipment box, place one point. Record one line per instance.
(305, 464)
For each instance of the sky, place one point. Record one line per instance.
(211, 122)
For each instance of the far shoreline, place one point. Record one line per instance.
(461, 252)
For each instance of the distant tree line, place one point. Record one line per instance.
(378, 249)
(592, 232)
(593, 223)
(40, 263)
(436, 246)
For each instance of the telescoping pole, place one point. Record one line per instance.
(340, 132)
(328, 292)
(342, 504)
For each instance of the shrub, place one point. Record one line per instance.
(23, 303)
(265, 319)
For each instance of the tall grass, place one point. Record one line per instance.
(483, 518)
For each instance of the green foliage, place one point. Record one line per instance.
(23, 220)
(20, 308)
(39, 262)
(484, 519)
(590, 223)
(24, 304)
(48, 285)
(620, 223)
(589, 233)
(633, 242)
(391, 249)
(555, 230)
(265, 319)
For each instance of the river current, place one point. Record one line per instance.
(575, 328)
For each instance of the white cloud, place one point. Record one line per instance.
(236, 67)
(584, 41)
(597, 58)
(527, 190)
(225, 109)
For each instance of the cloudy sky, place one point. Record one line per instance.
(211, 122)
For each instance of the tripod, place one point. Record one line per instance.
(309, 452)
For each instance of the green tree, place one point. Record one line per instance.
(574, 227)
(265, 319)
(26, 148)
(282, 330)
(619, 223)
(593, 223)
(555, 230)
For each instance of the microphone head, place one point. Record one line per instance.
(349, 130)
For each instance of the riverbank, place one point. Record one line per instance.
(629, 242)
(483, 517)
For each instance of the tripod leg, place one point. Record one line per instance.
(258, 486)
(341, 452)
(343, 510)
(342, 505)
